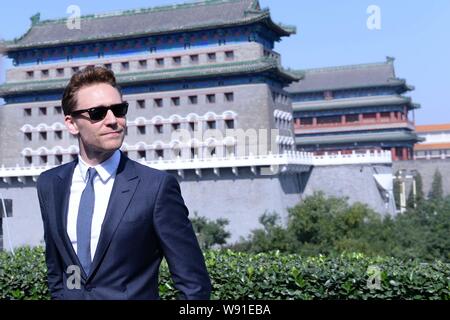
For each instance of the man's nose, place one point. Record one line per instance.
(110, 118)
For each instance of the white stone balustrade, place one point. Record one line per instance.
(289, 158)
(369, 157)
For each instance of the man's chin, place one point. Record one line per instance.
(112, 146)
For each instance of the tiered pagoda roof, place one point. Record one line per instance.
(376, 136)
(356, 102)
(208, 14)
(368, 75)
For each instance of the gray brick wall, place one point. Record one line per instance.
(426, 168)
(241, 199)
(353, 181)
(25, 225)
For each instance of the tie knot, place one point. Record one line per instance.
(91, 175)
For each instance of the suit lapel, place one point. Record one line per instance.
(123, 190)
(61, 193)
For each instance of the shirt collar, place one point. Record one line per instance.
(105, 170)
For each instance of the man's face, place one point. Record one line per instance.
(102, 136)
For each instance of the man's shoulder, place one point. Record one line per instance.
(48, 175)
(148, 172)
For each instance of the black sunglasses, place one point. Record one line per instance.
(99, 113)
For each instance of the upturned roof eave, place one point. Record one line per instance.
(354, 104)
(252, 67)
(346, 87)
(361, 137)
(11, 46)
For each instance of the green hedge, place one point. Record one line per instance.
(267, 276)
(23, 276)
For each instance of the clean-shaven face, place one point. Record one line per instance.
(97, 137)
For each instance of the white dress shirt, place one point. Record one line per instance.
(103, 183)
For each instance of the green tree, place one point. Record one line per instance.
(272, 236)
(330, 226)
(210, 233)
(422, 233)
(436, 192)
(437, 229)
(319, 224)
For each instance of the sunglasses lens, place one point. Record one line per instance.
(120, 110)
(98, 113)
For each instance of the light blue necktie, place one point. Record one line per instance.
(84, 222)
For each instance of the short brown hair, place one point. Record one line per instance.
(85, 77)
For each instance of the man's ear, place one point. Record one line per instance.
(71, 125)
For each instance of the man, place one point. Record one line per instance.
(110, 219)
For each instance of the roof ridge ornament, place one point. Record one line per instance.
(35, 19)
(255, 8)
(390, 59)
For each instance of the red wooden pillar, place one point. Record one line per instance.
(392, 116)
(378, 117)
(314, 121)
(404, 153)
(343, 120)
(393, 154)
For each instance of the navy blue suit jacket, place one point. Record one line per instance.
(146, 219)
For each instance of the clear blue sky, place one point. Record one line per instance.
(416, 33)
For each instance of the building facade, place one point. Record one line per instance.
(436, 142)
(354, 108)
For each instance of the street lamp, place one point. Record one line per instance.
(402, 176)
(414, 186)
